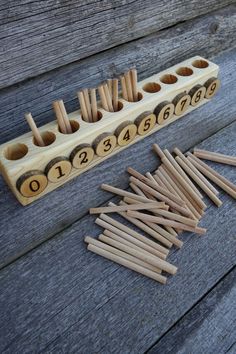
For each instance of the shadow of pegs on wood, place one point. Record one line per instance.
(32, 171)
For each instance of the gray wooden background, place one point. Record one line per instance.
(55, 297)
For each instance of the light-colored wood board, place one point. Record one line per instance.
(60, 33)
(24, 228)
(206, 35)
(59, 297)
(118, 123)
(209, 327)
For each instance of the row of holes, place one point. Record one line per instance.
(170, 79)
(19, 150)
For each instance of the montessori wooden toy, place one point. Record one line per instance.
(38, 162)
(216, 157)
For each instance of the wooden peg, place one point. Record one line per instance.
(103, 98)
(104, 246)
(128, 264)
(199, 174)
(83, 107)
(94, 104)
(115, 94)
(162, 221)
(108, 98)
(88, 104)
(114, 209)
(65, 117)
(59, 116)
(113, 225)
(128, 86)
(155, 261)
(37, 136)
(154, 230)
(123, 87)
(134, 80)
(216, 157)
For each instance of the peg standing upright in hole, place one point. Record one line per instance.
(37, 136)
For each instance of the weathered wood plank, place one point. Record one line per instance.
(60, 298)
(23, 228)
(207, 35)
(36, 39)
(209, 327)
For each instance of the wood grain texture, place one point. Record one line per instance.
(209, 327)
(41, 36)
(24, 228)
(61, 298)
(206, 35)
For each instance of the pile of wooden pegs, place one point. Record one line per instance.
(169, 202)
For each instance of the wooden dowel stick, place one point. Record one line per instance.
(123, 88)
(159, 205)
(131, 241)
(119, 253)
(35, 131)
(60, 120)
(213, 156)
(115, 209)
(160, 196)
(169, 183)
(154, 185)
(210, 169)
(182, 173)
(126, 263)
(182, 181)
(123, 193)
(65, 117)
(108, 98)
(159, 180)
(159, 183)
(115, 94)
(113, 225)
(88, 105)
(134, 80)
(191, 203)
(128, 86)
(176, 217)
(103, 98)
(94, 104)
(153, 230)
(155, 261)
(110, 84)
(214, 179)
(163, 221)
(202, 185)
(195, 170)
(138, 191)
(83, 106)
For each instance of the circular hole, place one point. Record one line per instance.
(200, 64)
(151, 87)
(48, 138)
(169, 79)
(184, 71)
(15, 151)
(74, 127)
(140, 97)
(99, 117)
(120, 106)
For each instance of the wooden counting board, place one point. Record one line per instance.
(32, 171)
